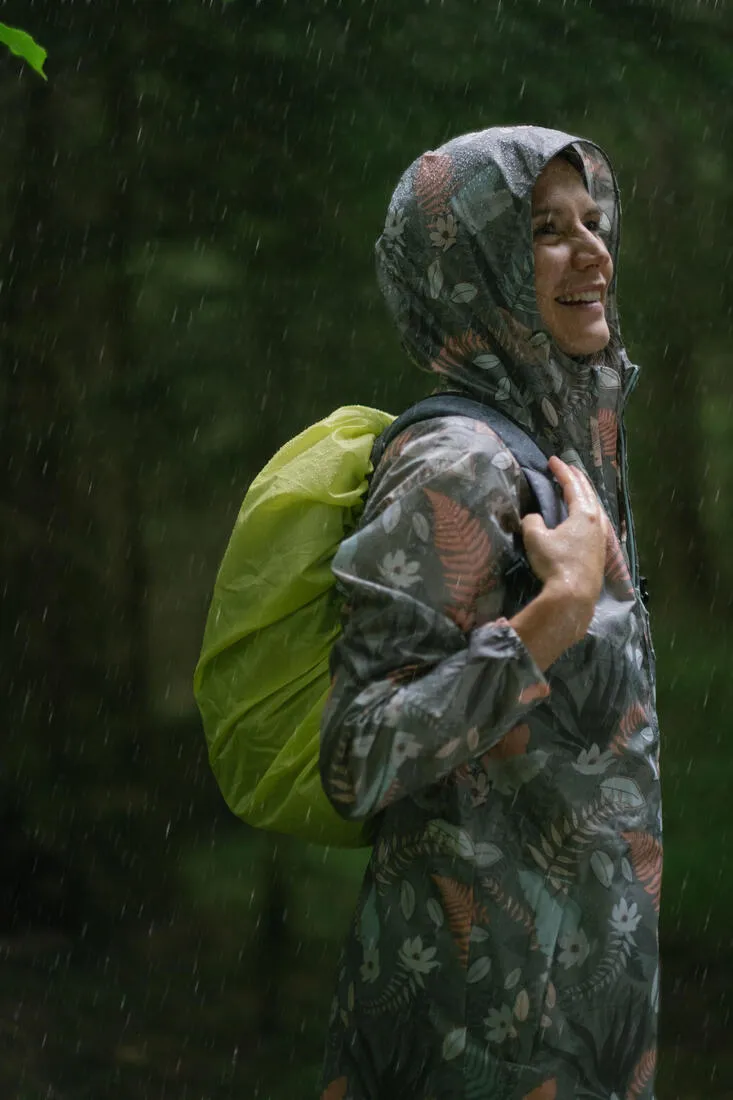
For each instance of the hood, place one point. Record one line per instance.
(456, 265)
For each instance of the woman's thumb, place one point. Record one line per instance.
(533, 525)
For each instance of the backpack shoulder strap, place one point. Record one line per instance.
(528, 454)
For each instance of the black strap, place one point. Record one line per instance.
(532, 460)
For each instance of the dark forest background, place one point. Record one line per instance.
(187, 212)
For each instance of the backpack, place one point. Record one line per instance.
(262, 679)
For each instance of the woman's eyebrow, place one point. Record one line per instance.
(555, 211)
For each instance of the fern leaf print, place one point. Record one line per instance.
(514, 909)
(546, 1091)
(608, 432)
(643, 1075)
(464, 550)
(457, 349)
(397, 446)
(336, 1090)
(633, 719)
(459, 905)
(434, 184)
(616, 570)
(646, 859)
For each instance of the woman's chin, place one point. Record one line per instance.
(589, 342)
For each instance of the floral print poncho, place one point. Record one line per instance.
(504, 945)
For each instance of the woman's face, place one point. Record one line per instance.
(572, 265)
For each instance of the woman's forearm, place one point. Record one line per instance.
(552, 622)
(381, 741)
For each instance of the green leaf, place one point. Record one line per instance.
(479, 970)
(22, 45)
(623, 791)
(454, 1043)
(407, 899)
(486, 854)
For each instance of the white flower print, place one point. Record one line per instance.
(418, 959)
(500, 1024)
(592, 761)
(443, 234)
(397, 570)
(574, 949)
(369, 969)
(625, 918)
(404, 745)
(394, 226)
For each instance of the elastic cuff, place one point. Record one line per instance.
(498, 639)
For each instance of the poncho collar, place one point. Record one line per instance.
(455, 263)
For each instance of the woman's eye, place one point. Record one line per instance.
(546, 229)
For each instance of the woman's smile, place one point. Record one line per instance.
(572, 264)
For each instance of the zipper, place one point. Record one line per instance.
(630, 533)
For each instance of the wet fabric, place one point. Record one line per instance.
(505, 939)
(262, 677)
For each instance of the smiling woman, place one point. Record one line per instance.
(503, 748)
(573, 267)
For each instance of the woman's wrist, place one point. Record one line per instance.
(553, 621)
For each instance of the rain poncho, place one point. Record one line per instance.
(504, 945)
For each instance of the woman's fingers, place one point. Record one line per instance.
(535, 534)
(533, 522)
(576, 488)
(564, 476)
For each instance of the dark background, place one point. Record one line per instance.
(188, 209)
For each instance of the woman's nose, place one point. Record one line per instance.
(590, 250)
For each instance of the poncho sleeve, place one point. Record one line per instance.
(427, 673)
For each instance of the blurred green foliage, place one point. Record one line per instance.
(188, 212)
(22, 45)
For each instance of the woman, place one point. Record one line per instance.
(505, 939)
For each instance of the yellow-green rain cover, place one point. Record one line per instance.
(262, 678)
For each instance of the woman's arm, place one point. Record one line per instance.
(420, 683)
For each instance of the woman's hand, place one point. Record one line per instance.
(569, 560)
(572, 555)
